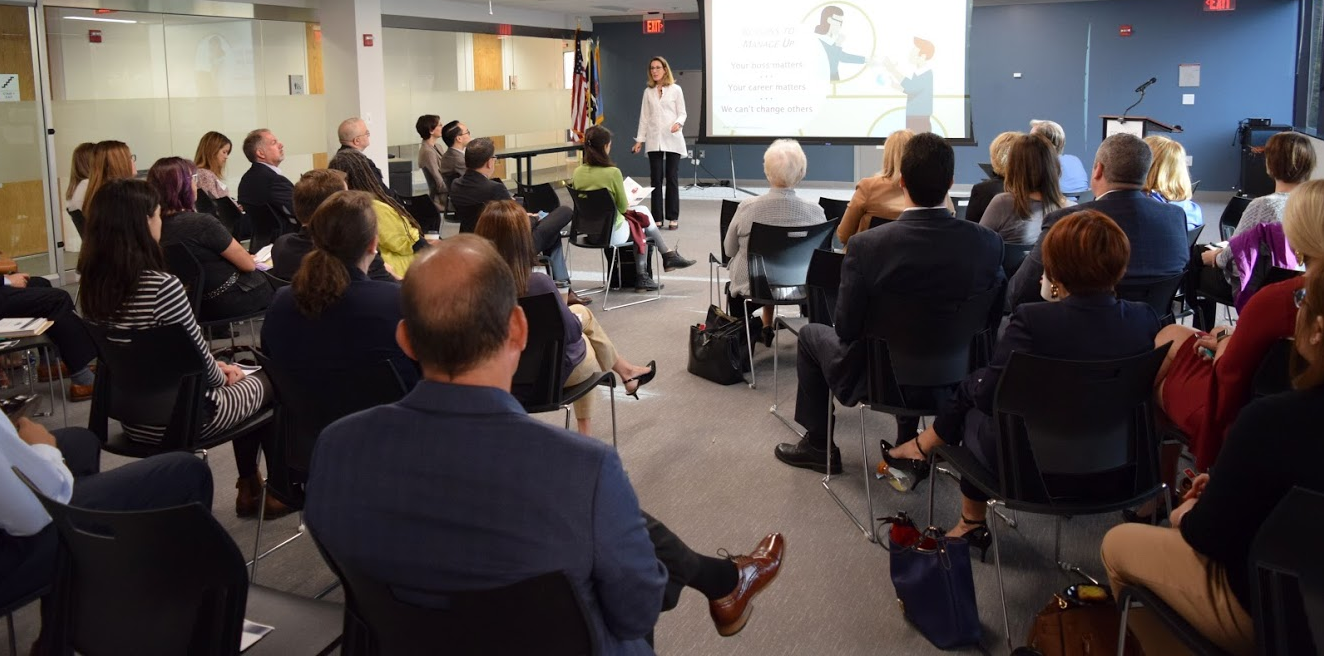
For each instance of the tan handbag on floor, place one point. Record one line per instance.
(1071, 626)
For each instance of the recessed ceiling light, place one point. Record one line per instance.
(100, 20)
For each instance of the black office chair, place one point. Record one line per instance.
(778, 266)
(308, 399)
(234, 220)
(205, 203)
(168, 581)
(268, 224)
(155, 377)
(424, 211)
(822, 282)
(921, 348)
(436, 189)
(537, 382)
(539, 197)
(467, 215)
(1287, 579)
(875, 221)
(833, 208)
(14, 604)
(1177, 625)
(76, 216)
(595, 217)
(183, 264)
(1227, 222)
(276, 283)
(715, 263)
(1158, 294)
(381, 619)
(1084, 445)
(1013, 255)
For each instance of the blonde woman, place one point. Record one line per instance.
(879, 195)
(213, 152)
(1169, 181)
(111, 160)
(80, 169)
(983, 192)
(661, 118)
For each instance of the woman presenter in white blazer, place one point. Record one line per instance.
(660, 120)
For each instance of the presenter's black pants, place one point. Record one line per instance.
(660, 162)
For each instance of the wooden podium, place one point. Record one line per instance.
(1140, 126)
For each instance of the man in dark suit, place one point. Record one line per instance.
(263, 183)
(928, 253)
(474, 472)
(354, 135)
(456, 137)
(1157, 230)
(475, 188)
(288, 250)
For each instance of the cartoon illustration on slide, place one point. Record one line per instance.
(830, 35)
(918, 86)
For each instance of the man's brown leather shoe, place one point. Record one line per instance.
(571, 298)
(756, 571)
(45, 372)
(79, 392)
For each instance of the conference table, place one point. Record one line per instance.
(523, 156)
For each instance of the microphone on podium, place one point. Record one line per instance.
(1141, 88)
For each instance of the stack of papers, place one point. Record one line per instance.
(635, 192)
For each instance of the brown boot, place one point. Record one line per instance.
(274, 509)
(250, 494)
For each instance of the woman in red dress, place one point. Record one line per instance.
(1202, 395)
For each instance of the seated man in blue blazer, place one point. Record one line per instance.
(927, 252)
(1157, 230)
(263, 183)
(481, 495)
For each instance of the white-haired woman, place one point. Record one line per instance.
(785, 166)
(1074, 178)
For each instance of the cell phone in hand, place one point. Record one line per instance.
(16, 407)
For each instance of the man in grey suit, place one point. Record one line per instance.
(926, 253)
(480, 495)
(456, 137)
(1157, 230)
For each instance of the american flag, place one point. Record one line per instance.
(579, 98)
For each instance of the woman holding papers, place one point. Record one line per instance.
(598, 172)
(660, 120)
(125, 285)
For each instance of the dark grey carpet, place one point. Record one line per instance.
(700, 458)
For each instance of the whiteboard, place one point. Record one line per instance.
(691, 83)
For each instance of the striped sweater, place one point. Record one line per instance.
(159, 300)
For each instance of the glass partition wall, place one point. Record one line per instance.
(158, 82)
(24, 223)
(486, 81)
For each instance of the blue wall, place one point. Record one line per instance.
(1247, 59)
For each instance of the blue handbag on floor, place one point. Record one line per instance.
(934, 584)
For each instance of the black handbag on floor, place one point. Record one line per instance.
(717, 348)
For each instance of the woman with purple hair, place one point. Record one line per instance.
(234, 287)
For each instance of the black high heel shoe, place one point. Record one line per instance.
(643, 379)
(978, 537)
(903, 474)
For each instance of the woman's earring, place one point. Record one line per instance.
(1052, 289)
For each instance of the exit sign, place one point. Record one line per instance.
(654, 24)
(1220, 5)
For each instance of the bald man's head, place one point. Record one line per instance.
(353, 132)
(459, 297)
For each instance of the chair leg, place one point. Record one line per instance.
(613, 417)
(933, 482)
(13, 641)
(1125, 603)
(868, 475)
(257, 541)
(997, 563)
(567, 416)
(827, 477)
(749, 342)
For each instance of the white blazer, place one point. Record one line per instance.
(657, 115)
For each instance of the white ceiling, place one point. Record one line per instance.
(627, 7)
